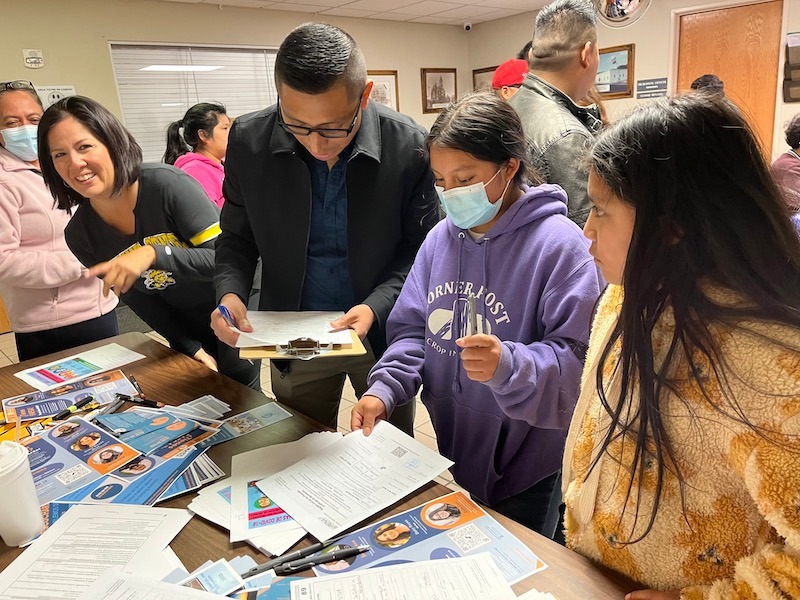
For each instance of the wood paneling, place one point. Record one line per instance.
(741, 46)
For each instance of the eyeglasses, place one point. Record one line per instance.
(16, 85)
(321, 131)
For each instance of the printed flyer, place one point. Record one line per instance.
(448, 527)
(38, 405)
(72, 455)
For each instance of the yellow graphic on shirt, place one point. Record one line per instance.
(157, 279)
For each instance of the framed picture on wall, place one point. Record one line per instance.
(384, 89)
(482, 79)
(438, 89)
(615, 73)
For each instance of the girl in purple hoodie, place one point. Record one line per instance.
(500, 383)
(197, 145)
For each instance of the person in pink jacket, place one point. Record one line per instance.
(197, 144)
(50, 304)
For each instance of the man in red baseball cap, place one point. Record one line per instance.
(508, 77)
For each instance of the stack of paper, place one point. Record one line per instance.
(331, 491)
(279, 328)
(469, 578)
(88, 541)
(238, 505)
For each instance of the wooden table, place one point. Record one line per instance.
(174, 378)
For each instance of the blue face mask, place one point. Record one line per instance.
(469, 206)
(22, 142)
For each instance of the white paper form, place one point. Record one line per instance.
(119, 586)
(351, 480)
(78, 366)
(251, 518)
(536, 595)
(271, 328)
(86, 542)
(468, 578)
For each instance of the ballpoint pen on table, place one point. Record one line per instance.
(142, 401)
(279, 560)
(319, 559)
(136, 385)
(74, 408)
(104, 410)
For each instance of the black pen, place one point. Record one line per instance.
(319, 559)
(74, 408)
(136, 385)
(279, 560)
(140, 401)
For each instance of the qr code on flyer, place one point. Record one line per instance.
(468, 537)
(76, 473)
(399, 452)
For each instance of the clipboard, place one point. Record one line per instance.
(305, 349)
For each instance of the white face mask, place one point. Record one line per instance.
(22, 142)
(469, 206)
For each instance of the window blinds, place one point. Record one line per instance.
(151, 100)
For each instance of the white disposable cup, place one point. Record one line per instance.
(20, 515)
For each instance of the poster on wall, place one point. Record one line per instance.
(50, 94)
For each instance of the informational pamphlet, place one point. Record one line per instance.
(79, 366)
(448, 527)
(103, 387)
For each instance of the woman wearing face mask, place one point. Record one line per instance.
(501, 398)
(50, 304)
(200, 148)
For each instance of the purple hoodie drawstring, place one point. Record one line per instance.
(456, 386)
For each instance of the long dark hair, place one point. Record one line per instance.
(707, 212)
(487, 128)
(125, 152)
(201, 117)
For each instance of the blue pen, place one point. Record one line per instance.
(226, 314)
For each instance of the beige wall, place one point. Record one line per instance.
(496, 41)
(74, 36)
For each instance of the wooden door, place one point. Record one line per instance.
(740, 45)
(5, 324)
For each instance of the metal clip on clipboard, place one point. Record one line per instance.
(304, 348)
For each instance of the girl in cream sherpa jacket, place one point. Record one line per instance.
(737, 534)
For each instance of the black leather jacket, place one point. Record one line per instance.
(560, 134)
(391, 206)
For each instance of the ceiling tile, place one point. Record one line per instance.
(325, 3)
(465, 12)
(245, 3)
(294, 7)
(381, 5)
(518, 5)
(392, 16)
(501, 14)
(428, 7)
(346, 11)
(433, 19)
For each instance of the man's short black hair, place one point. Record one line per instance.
(562, 27)
(709, 83)
(316, 56)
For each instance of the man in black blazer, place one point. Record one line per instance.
(333, 193)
